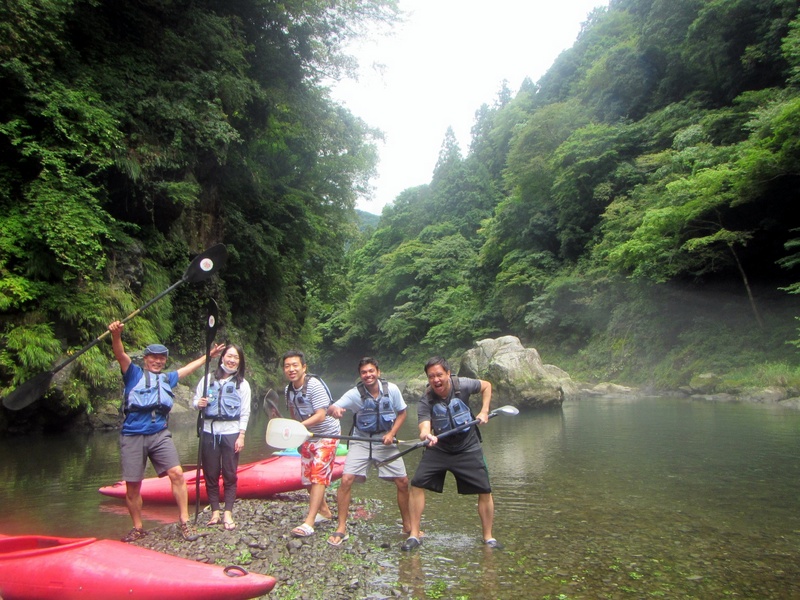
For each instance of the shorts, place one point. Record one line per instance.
(469, 469)
(358, 461)
(316, 461)
(134, 450)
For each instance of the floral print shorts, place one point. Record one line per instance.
(316, 459)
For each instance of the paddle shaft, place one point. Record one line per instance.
(202, 267)
(353, 438)
(427, 442)
(211, 330)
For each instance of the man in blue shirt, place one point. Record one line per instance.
(147, 401)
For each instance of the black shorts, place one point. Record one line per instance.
(469, 469)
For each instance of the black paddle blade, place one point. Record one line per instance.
(206, 264)
(29, 392)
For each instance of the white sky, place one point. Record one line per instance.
(440, 66)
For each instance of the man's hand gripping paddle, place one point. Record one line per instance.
(211, 331)
(288, 433)
(201, 268)
(505, 410)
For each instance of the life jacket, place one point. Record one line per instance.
(446, 416)
(299, 403)
(375, 417)
(150, 396)
(224, 401)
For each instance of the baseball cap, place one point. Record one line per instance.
(156, 349)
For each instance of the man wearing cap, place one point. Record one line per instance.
(147, 400)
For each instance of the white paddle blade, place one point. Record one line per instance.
(286, 433)
(508, 410)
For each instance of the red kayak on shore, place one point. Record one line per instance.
(35, 567)
(273, 475)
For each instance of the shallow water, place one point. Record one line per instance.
(605, 498)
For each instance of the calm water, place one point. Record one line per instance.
(605, 498)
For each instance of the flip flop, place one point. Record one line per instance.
(320, 519)
(213, 522)
(339, 538)
(230, 525)
(303, 530)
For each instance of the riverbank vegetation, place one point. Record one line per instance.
(632, 214)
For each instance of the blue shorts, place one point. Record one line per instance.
(469, 469)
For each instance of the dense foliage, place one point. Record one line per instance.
(135, 134)
(634, 211)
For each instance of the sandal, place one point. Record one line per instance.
(303, 531)
(338, 538)
(230, 525)
(214, 521)
(321, 519)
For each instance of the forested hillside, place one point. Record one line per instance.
(632, 214)
(135, 134)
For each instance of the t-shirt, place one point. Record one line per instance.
(456, 442)
(143, 423)
(351, 400)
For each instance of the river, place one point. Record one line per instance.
(604, 498)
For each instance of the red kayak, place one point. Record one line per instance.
(34, 567)
(273, 475)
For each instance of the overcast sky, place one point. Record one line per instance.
(440, 66)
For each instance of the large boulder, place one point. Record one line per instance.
(517, 374)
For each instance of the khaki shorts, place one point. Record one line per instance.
(134, 450)
(359, 460)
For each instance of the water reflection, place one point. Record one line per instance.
(601, 499)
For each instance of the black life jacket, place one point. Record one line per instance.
(453, 415)
(375, 417)
(224, 401)
(298, 402)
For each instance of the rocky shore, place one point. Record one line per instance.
(306, 568)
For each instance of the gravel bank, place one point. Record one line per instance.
(308, 568)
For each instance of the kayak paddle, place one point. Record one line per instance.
(211, 331)
(288, 433)
(505, 410)
(201, 268)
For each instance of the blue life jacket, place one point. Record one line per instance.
(150, 396)
(453, 415)
(224, 401)
(375, 417)
(299, 403)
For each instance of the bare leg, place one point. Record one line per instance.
(180, 492)
(316, 502)
(133, 500)
(343, 497)
(402, 502)
(486, 513)
(416, 504)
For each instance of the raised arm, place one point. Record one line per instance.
(117, 347)
(199, 362)
(486, 400)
